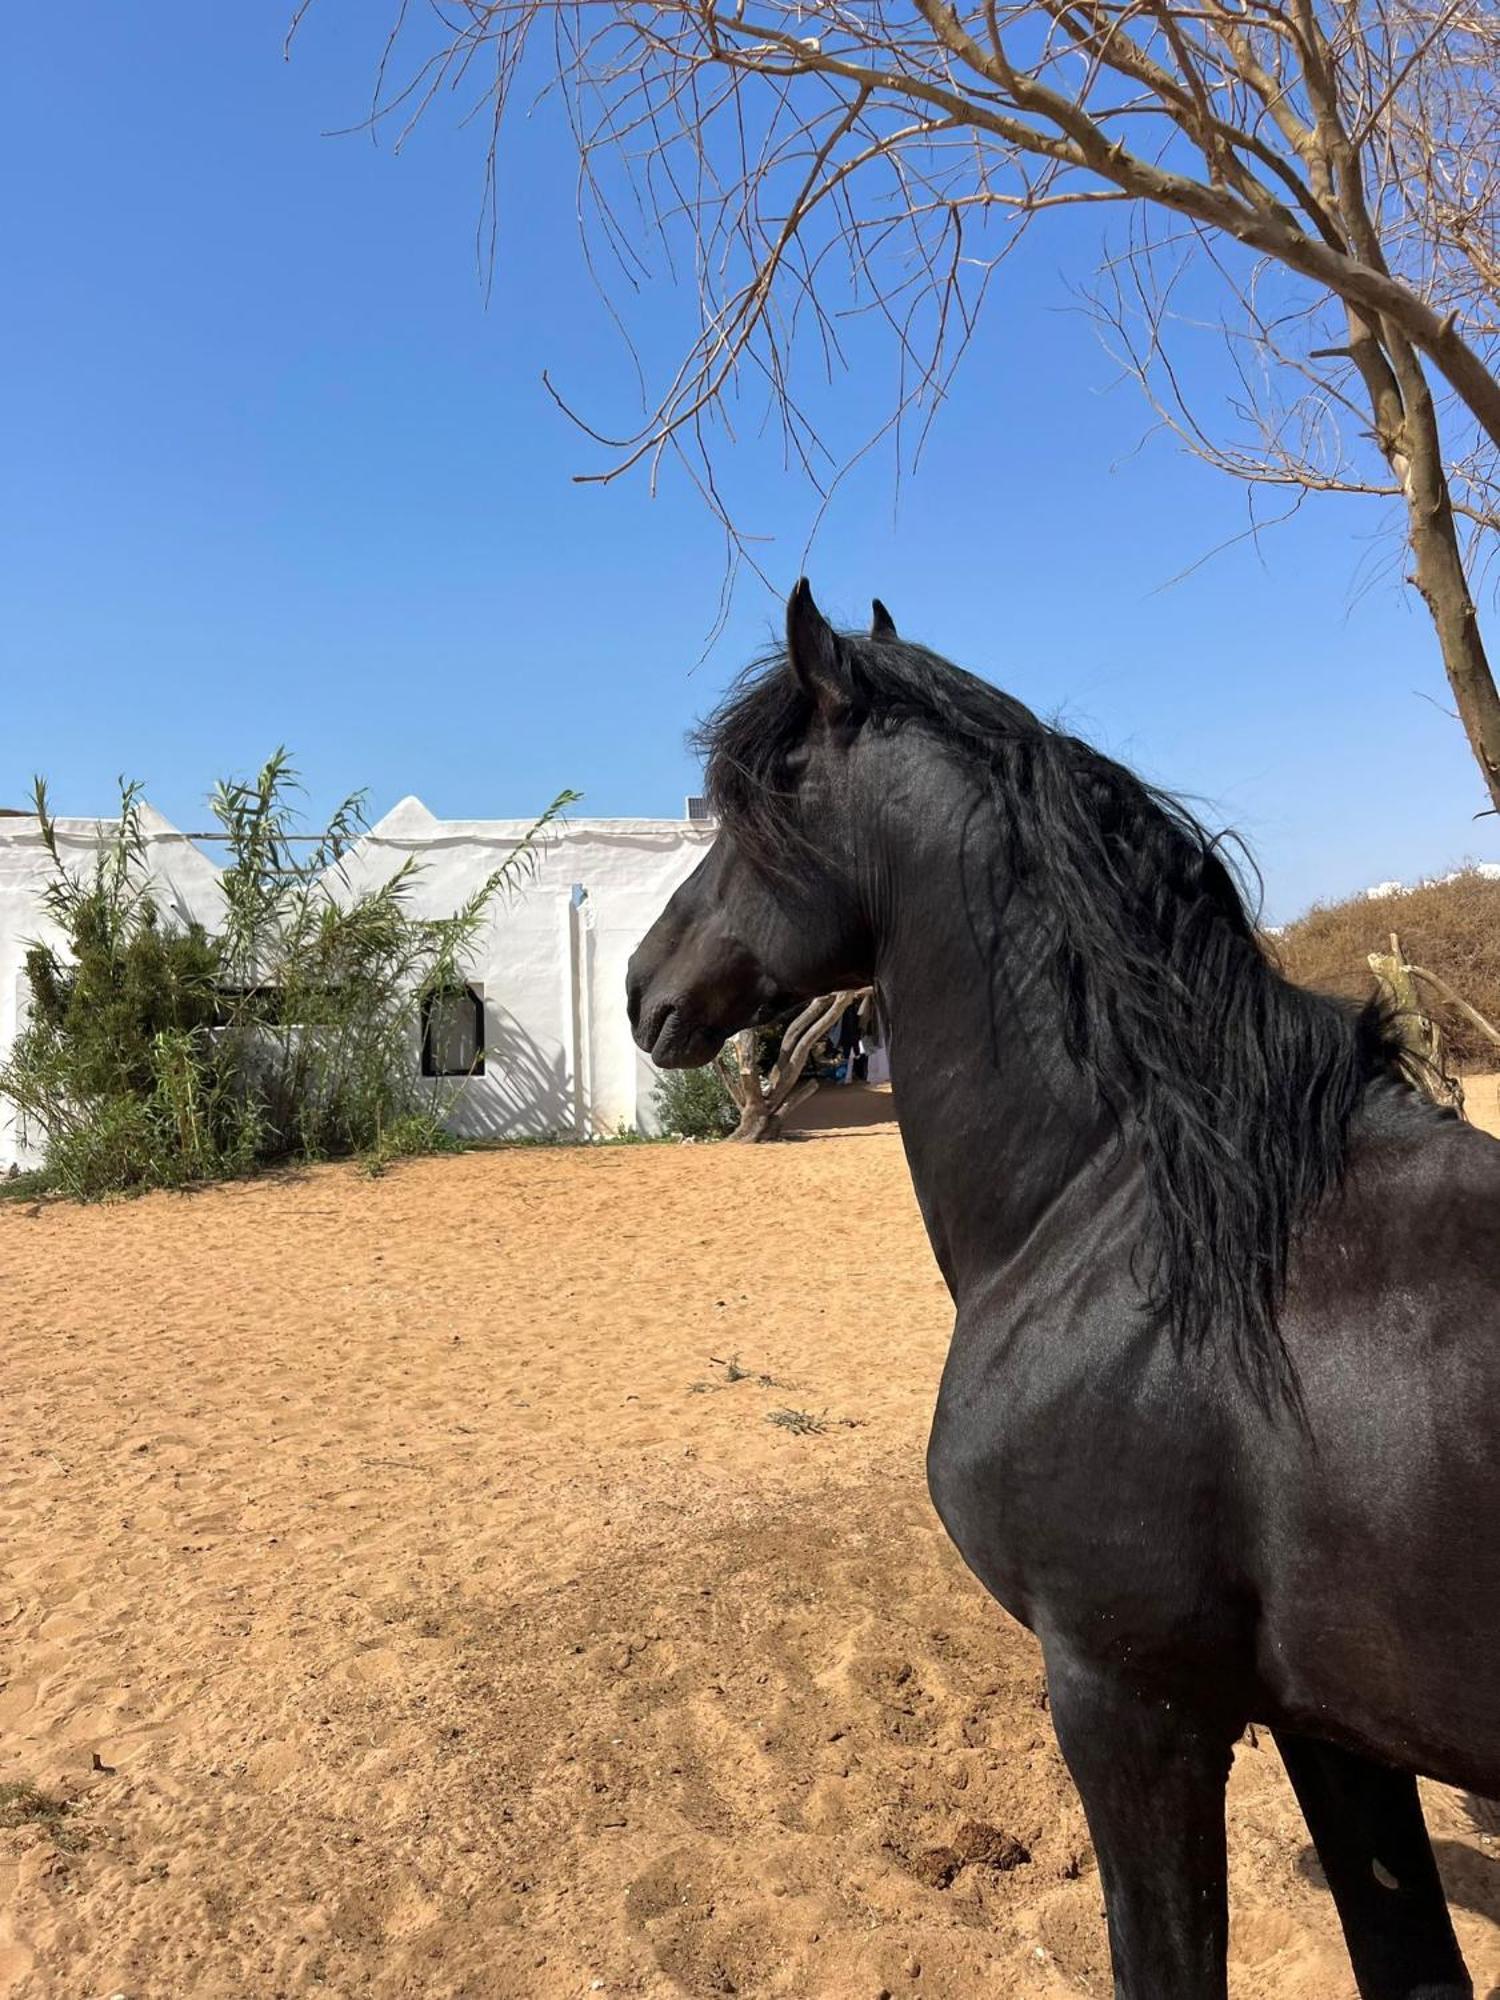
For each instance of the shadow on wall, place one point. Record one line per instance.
(524, 1093)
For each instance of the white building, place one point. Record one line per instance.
(547, 974)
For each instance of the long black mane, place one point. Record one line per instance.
(1238, 1087)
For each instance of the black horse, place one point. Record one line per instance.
(1219, 1417)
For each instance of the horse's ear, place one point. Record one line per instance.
(882, 624)
(816, 657)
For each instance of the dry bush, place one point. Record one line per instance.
(1452, 928)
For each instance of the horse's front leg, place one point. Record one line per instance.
(1366, 1822)
(1151, 1774)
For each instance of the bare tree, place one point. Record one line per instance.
(1325, 172)
(765, 1100)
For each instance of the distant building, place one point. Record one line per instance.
(1490, 869)
(543, 1025)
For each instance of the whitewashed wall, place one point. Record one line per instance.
(558, 1050)
(550, 963)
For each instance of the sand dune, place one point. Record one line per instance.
(404, 1601)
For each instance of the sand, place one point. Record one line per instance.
(1482, 1102)
(404, 1600)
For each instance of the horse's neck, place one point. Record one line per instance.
(997, 1119)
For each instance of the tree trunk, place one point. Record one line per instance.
(1441, 578)
(757, 1123)
(1406, 429)
(765, 1101)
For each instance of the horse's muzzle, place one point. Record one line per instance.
(673, 1040)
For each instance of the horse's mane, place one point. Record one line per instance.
(1238, 1087)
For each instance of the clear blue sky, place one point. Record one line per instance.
(272, 471)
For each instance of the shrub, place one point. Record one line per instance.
(411, 1135)
(155, 1057)
(695, 1103)
(1452, 928)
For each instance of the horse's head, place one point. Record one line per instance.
(749, 935)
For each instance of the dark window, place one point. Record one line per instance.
(265, 1004)
(453, 1033)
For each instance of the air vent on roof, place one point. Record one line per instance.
(697, 808)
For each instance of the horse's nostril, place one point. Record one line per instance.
(648, 1031)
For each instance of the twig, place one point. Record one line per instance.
(1459, 1005)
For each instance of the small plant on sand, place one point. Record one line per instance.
(407, 1138)
(16, 1186)
(802, 1422)
(733, 1372)
(24, 1805)
(160, 1054)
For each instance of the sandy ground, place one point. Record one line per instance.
(405, 1601)
(1482, 1102)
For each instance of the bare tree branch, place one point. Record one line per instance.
(1327, 170)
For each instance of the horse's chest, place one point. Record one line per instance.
(1075, 1505)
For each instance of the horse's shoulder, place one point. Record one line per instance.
(1416, 1218)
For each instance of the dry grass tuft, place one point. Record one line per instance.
(24, 1805)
